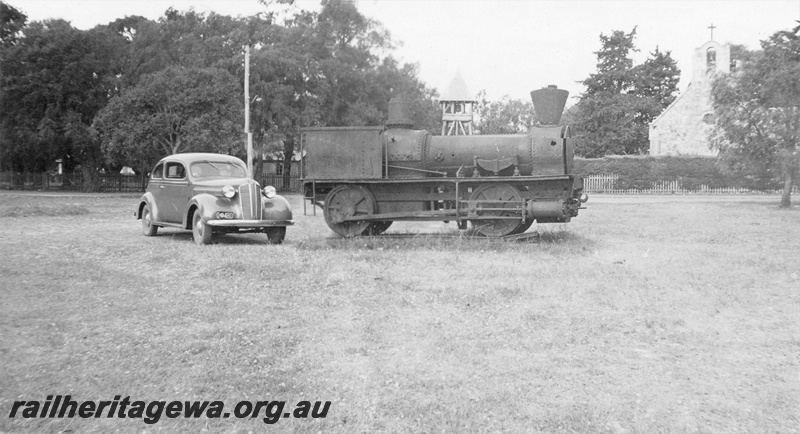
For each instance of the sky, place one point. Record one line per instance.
(505, 47)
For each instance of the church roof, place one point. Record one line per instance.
(457, 90)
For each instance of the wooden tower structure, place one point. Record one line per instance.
(457, 108)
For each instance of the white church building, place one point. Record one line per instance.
(682, 129)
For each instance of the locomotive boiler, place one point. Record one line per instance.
(364, 178)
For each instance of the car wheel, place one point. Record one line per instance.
(276, 235)
(148, 228)
(200, 231)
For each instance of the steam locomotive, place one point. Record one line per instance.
(364, 178)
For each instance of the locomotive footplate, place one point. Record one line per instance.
(465, 213)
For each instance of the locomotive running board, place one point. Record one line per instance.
(466, 180)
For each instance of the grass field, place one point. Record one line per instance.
(643, 315)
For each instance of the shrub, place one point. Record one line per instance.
(641, 171)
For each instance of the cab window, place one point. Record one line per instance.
(158, 171)
(174, 170)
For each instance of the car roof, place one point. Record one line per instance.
(191, 157)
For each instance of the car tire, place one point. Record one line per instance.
(148, 228)
(276, 235)
(200, 231)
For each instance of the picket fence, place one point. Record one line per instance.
(606, 184)
(107, 182)
(110, 182)
(279, 182)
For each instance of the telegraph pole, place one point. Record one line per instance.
(247, 111)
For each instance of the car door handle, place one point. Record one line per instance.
(160, 186)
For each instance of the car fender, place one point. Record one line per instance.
(277, 208)
(147, 199)
(204, 203)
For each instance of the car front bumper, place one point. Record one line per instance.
(249, 223)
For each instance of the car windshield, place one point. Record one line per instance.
(217, 169)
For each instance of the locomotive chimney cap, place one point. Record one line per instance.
(549, 102)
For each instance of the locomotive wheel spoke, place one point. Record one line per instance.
(348, 201)
(501, 196)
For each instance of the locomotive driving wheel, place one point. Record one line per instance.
(348, 201)
(524, 226)
(499, 196)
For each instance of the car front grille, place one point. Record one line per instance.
(251, 201)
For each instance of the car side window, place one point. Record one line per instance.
(174, 170)
(157, 172)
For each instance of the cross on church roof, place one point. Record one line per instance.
(712, 27)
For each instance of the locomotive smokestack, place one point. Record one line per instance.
(399, 113)
(549, 102)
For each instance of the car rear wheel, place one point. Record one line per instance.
(200, 231)
(148, 228)
(276, 235)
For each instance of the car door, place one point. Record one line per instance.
(172, 196)
(154, 187)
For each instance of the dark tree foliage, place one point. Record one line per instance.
(657, 79)
(189, 39)
(613, 65)
(330, 68)
(613, 125)
(12, 21)
(55, 79)
(757, 109)
(171, 111)
(390, 79)
(507, 116)
(613, 115)
(326, 69)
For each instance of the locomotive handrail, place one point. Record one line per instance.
(417, 170)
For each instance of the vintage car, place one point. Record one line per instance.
(210, 194)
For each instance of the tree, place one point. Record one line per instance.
(613, 125)
(757, 109)
(171, 111)
(174, 84)
(55, 79)
(657, 78)
(614, 65)
(12, 21)
(613, 115)
(189, 39)
(507, 116)
(325, 69)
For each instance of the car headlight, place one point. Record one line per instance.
(584, 197)
(270, 191)
(228, 191)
